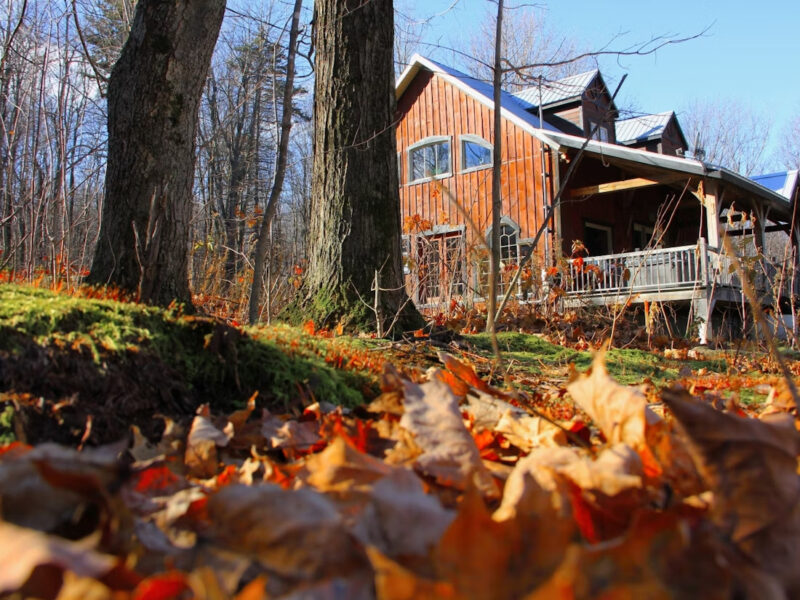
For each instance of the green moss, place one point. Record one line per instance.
(7, 426)
(216, 363)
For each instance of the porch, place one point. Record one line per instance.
(701, 275)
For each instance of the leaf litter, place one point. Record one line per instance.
(442, 487)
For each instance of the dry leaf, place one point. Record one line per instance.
(343, 471)
(751, 466)
(22, 550)
(619, 411)
(394, 582)
(449, 452)
(201, 446)
(401, 519)
(295, 533)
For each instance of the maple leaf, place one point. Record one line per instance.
(751, 466)
(619, 411)
(449, 452)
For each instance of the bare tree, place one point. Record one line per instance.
(790, 145)
(729, 133)
(528, 39)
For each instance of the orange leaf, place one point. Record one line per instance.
(463, 371)
(162, 587)
(309, 327)
(155, 479)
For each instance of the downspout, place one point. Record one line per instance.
(543, 169)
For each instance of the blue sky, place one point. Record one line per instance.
(750, 53)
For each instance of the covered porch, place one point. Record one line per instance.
(636, 226)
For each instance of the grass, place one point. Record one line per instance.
(537, 356)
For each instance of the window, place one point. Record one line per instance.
(641, 236)
(440, 266)
(476, 153)
(510, 254)
(600, 131)
(429, 158)
(597, 239)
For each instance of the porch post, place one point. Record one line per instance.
(709, 198)
(702, 308)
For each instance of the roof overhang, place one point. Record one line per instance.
(666, 164)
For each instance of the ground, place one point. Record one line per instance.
(197, 458)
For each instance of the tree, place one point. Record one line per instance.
(790, 146)
(355, 217)
(730, 134)
(153, 99)
(527, 40)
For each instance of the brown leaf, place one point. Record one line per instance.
(394, 582)
(491, 559)
(295, 533)
(619, 411)
(22, 550)
(60, 490)
(343, 471)
(751, 466)
(201, 446)
(401, 519)
(449, 452)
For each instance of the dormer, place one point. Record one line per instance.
(657, 133)
(578, 104)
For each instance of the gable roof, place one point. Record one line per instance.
(482, 91)
(784, 183)
(643, 128)
(553, 92)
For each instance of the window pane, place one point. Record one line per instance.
(476, 155)
(430, 160)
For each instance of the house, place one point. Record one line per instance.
(651, 223)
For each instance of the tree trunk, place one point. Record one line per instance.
(153, 100)
(355, 213)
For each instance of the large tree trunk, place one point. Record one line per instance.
(153, 99)
(355, 214)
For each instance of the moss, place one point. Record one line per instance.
(7, 425)
(216, 363)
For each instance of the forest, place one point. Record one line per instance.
(213, 383)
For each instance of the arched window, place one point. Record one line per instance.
(476, 153)
(429, 159)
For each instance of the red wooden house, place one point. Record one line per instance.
(650, 221)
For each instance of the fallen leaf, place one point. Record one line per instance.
(449, 452)
(343, 471)
(401, 519)
(295, 533)
(394, 582)
(751, 466)
(201, 446)
(23, 549)
(619, 411)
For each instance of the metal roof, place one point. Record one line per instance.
(643, 128)
(784, 182)
(554, 92)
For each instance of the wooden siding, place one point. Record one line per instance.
(432, 106)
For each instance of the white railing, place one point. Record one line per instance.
(665, 269)
(660, 269)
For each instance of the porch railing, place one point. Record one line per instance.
(665, 269)
(660, 269)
